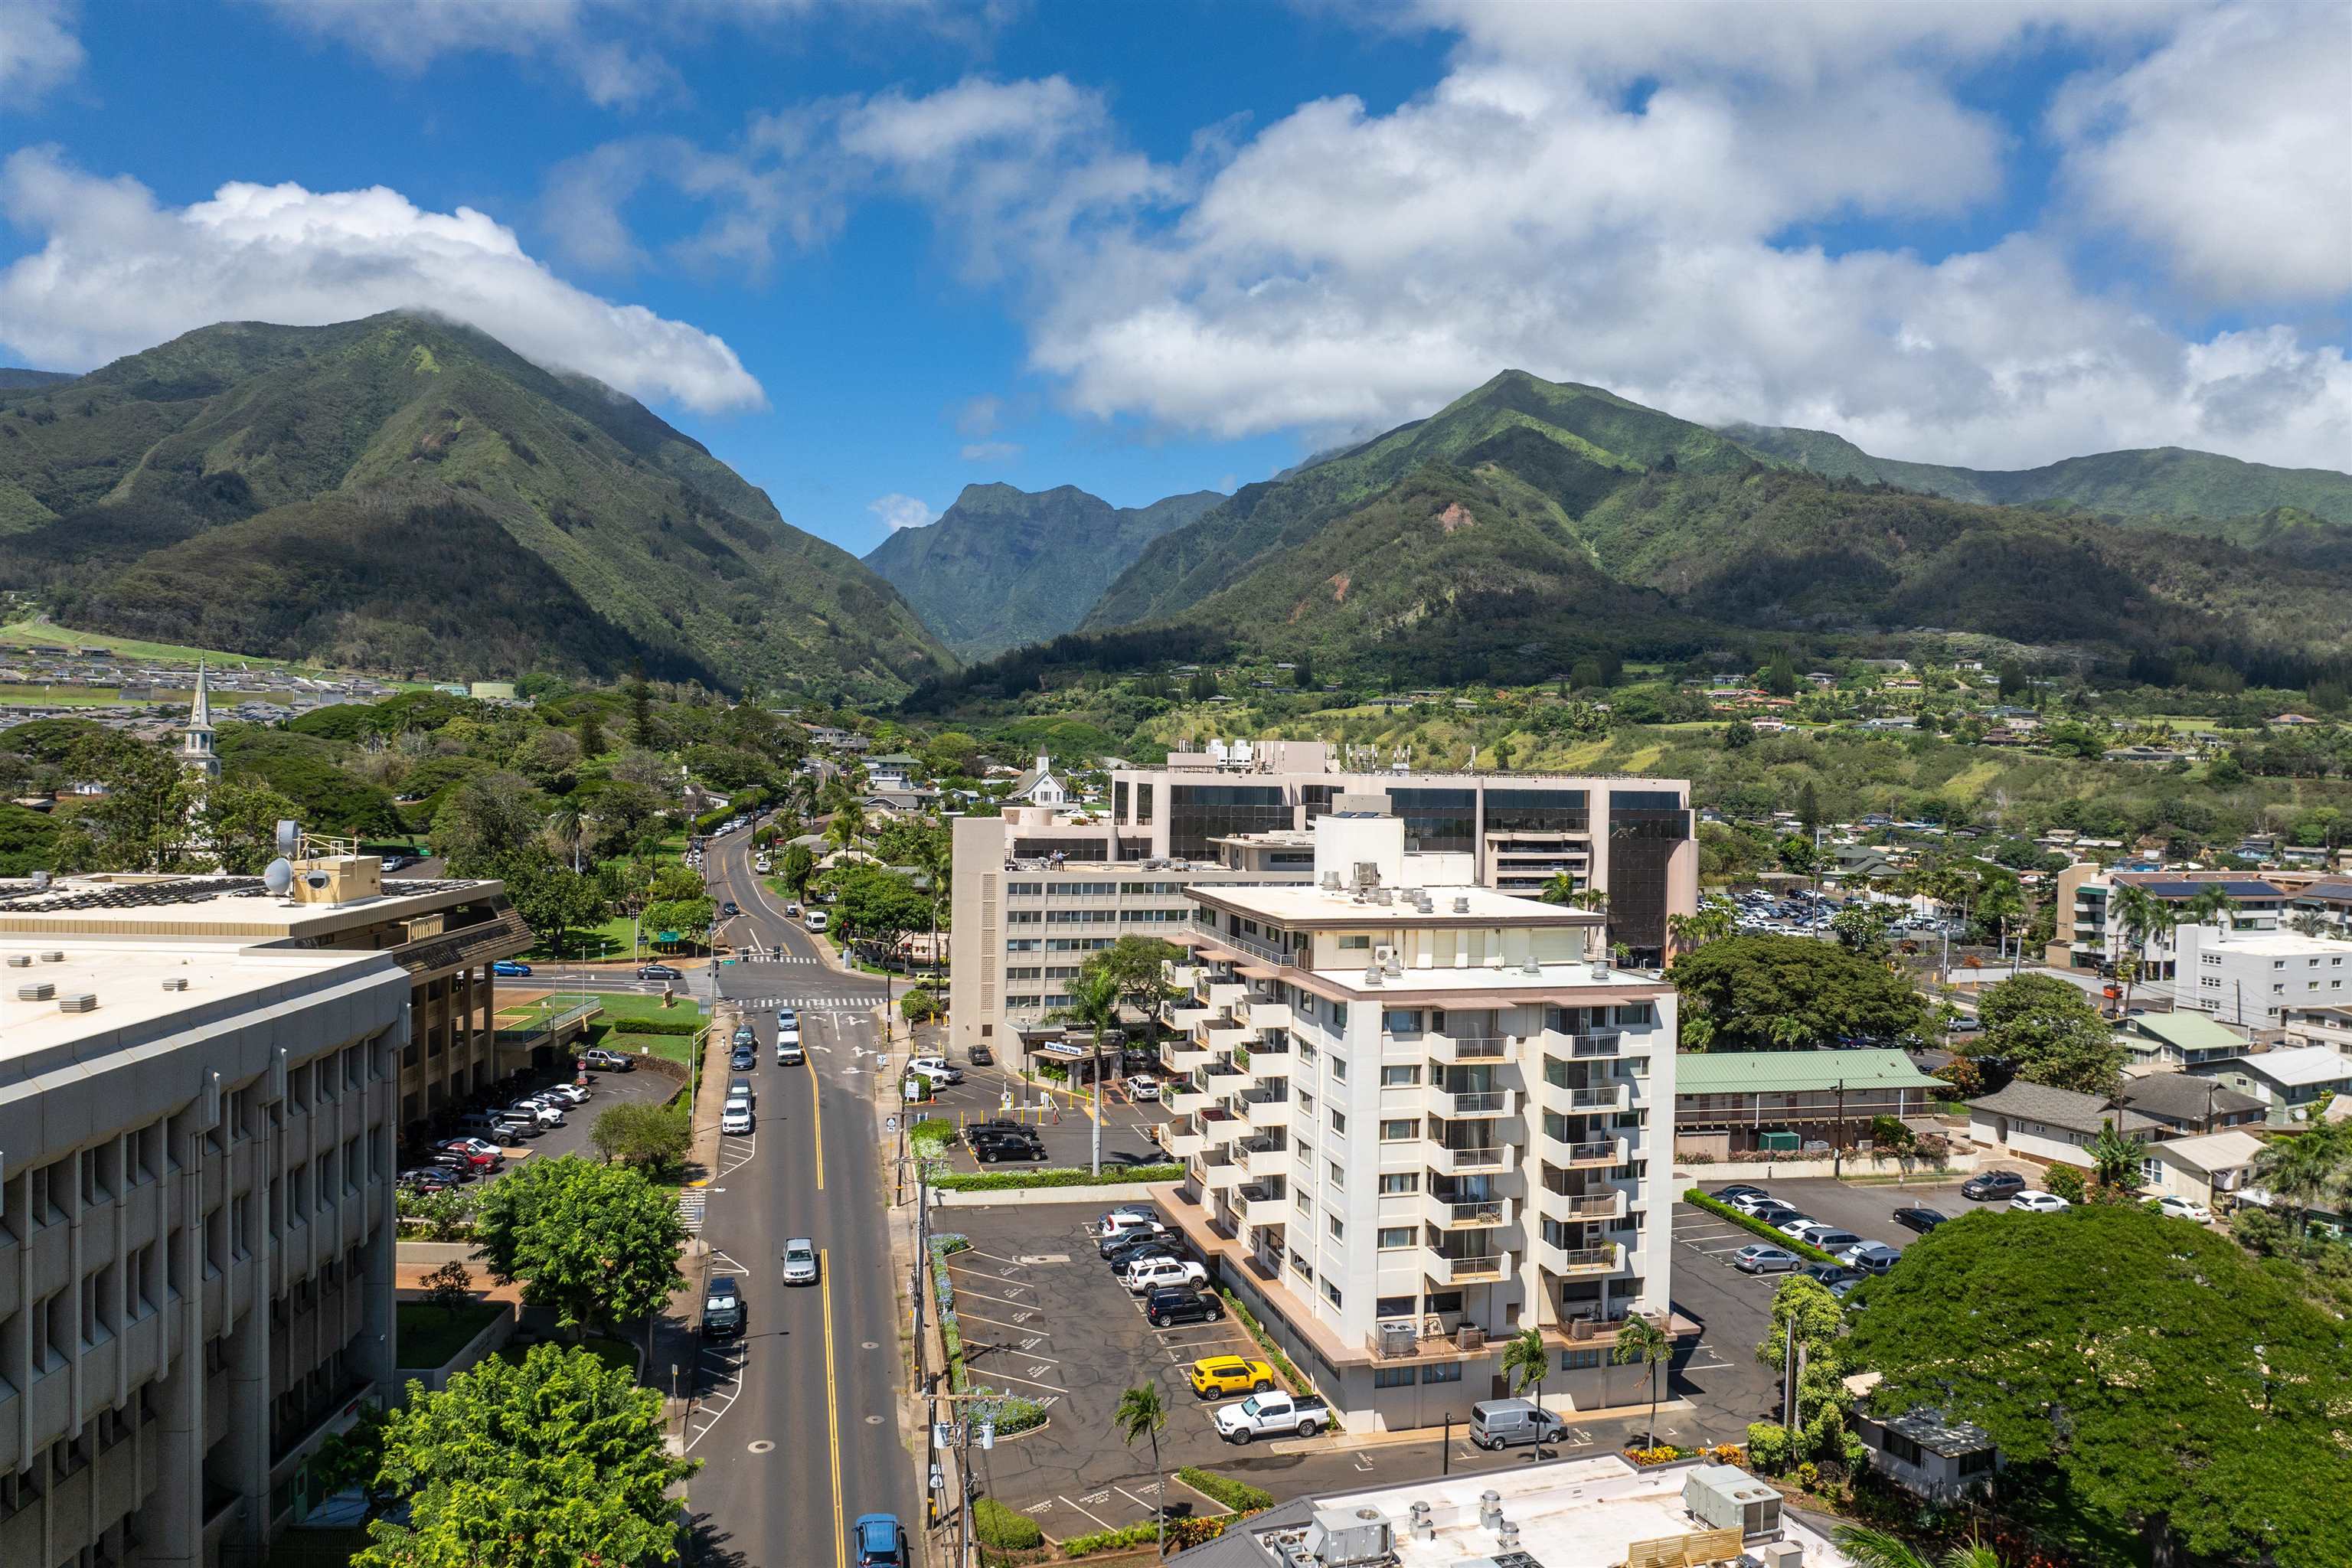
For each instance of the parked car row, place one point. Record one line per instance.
(1856, 1257)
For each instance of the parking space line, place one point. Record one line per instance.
(999, 1322)
(1000, 1301)
(1090, 1514)
(1032, 1381)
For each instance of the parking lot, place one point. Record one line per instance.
(1062, 1117)
(604, 1090)
(1043, 1316)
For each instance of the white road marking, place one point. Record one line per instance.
(992, 1373)
(1091, 1514)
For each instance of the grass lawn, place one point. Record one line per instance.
(429, 1336)
(612, 1030)
(61, 696)
(41, 631)
(610, 939)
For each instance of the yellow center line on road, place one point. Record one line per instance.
(833, 1418)
(816, 1118)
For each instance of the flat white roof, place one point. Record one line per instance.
(2272, 944)
(1574, 1513)
(1303, 904)
(127, 977)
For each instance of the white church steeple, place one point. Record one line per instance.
(196, 752)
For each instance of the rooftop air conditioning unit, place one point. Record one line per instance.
(1348, 1537)
(1725, 1496)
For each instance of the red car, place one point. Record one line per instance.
(475, 1157)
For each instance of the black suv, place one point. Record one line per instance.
(723, 1317)
(1176, 1304)
(990, 1147)
(1159, 1244)
(1991, 1185)
(977, 1130)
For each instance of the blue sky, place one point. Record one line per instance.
(869, 254)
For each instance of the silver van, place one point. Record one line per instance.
(1507, 1423)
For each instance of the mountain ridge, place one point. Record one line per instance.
(1003, 566)
(181, 493)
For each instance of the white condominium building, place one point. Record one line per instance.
(196, 1223)
(1419, 1117)
(1040, 887)
(2251, 977)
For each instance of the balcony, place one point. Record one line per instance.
(1265, 1111)
(1479, 1104)
(1467, 1214)
(1427, 1341)
(1265, 1157)
(1260, 1015)
(1184, 1057)
(1479, 1267)
(1221, 1034)
(1264, 952)
(1586, 1047)
(1265, 1064)
(1262, 1206)
(1589, 1155)
(1184, 1146)
(1180, 975)
(1190, 1101)
(1221, 995)
(1478, 1160)
(1222, 1173)
(1182, 1014)
(1606, 1258)
(1586, 1099)
(1454, 1048)
(1605, 1202)
(1219, 1126)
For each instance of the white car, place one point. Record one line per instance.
(2182, 1208)
(1156, 1273)
(545, 1115)
(572, 1093)
(763, 865)
(800, 1262)
(1140, 1088)
(815, 920)
(735, 1117)
(2038, 1203)
(936, 1069)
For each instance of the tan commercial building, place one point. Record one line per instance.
(196, 1221)
(1039, 888)
(442, 934)
(1418, 1118)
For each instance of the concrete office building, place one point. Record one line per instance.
(196, 1146)
(2090, 927)
(1419, 1117)
(2250, 978)
(444, 935)
(1242, 813)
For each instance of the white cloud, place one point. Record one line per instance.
(979, 416)
(898, 511)
(118, 272)
(992, 451)
(39, 50)
(2230, 147)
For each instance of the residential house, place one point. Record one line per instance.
(1730, 1102)
(2318, 1027)
(1923, 1450)
(2169, 1042)
(2051, 1126)
(894, 771)
(2190, 1103)
(2289, 1083)
(2213, 1170)
(1038, 786)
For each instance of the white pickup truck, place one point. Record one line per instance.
(1273, 1416)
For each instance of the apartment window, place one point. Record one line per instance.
(1400, 1021)
(1339, 1014)
(1395, 1184)
(1331, 1292)
(1394, 1237)
(1637, 1016)
(1337, 1226)
(1339, 1120)
(1305, 1153)
(1355, 943)
(1339, 1068)
(1338, 1175)
(1302, 1200)
(1398, 1077)
(1579, 1360)
(1399, 1129)
(1393, 1377)
(1442, 1372)
(1299, 1266)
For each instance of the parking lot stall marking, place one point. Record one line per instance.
(983, 1296)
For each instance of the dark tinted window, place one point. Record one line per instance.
(1440, 820)
(1537, 811)
(1198, 813)
(1645, 827)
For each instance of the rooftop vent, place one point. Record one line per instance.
(177, 982)
(1490, 1510)
(40, 881)
(53, 958)
(40, 991)
(1419, 1524)
(1372, 975)
(79, 1002)
(20, 961)
(1461, 903)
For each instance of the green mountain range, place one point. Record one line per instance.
(1527, 522)
(14, 380)
(1003, 566)
(401, 493)
(2155, 482)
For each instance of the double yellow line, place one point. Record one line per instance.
(833, 1418)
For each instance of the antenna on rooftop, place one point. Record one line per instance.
(278, 876)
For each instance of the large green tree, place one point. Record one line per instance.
(140, 822)
(1804, 1307)
(238, 823)
(553, 1463)
(2150, 1368)
(1761, 992)
(2047, 1032)
(1133, 962)
(597, 1243)
(487, 819)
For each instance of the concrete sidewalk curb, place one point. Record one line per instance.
(1348, 1442)
(1023, 1197)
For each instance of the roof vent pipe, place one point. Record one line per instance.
(1490, 1510)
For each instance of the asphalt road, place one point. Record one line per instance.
(798, 1424)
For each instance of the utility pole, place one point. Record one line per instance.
(1837, 1149)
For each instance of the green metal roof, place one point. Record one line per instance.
(2189, 1031)
(1796, 1072)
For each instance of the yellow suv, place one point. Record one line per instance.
(1223, 1375)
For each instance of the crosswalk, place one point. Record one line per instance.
(855, 1006)
(691, 1201)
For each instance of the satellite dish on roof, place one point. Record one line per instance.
(289, 836)
(277, 875)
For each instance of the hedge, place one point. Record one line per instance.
(1803, 1249)
(1016, 1181)
(999, 1526)
(627, 1026)
(1265, 1341)
(1239, 1496)
(1144, 1534)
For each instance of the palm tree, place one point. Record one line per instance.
(1643, 1341)
(1142, 1413)
(842, 831)
(2142, 917)
(2004, 899)
(935, 854)
(2310, 922)
(1094, 997)
(565, 829)
(1867, 1547)
(2115, 1158)
(1560, 890)
(2211, 905)
(1787, 1032)
(1525, 1362)
(2304, 1167)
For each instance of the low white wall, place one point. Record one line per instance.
(1022, 1197)
(494, 1335)
(1958, 1162)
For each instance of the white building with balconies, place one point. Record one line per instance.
(1417, 1120)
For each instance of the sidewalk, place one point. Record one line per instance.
(1348, 1442)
